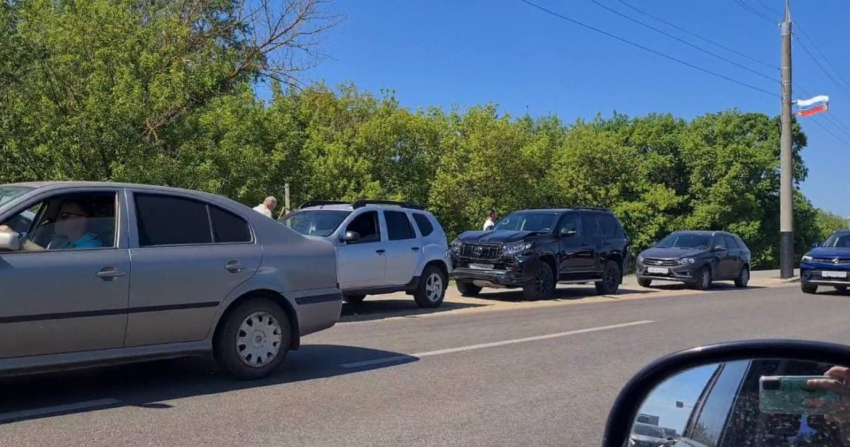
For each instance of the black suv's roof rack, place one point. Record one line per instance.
(362, 203)
(321, 202)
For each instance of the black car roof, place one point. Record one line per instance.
(563, 210)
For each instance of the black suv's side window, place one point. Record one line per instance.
(167, 220)
(569, 222)
(731, 244)
(610, 226)
(366, 225)
(398, 226)
(589, 225)
(719, 241)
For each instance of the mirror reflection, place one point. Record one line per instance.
(757, 403)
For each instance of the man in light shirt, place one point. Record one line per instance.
(490, 222)
(267, 207)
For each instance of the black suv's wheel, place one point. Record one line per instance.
(254, 339)
(809, 288)
(354, 299)
(644, 282)
(542, 286)
(610, 279)
(743, 277)
(703, 280)
(432, 288)
(467, 288)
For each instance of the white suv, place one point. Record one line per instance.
(382, 247)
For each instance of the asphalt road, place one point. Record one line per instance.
(529, 376)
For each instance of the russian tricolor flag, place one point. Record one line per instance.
(809, 107)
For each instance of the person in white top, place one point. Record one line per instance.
(267, 207)
(490, 222)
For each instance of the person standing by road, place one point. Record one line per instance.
(490, 222)
(267, 207)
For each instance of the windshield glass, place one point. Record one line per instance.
(685, 240)
(838, 240)
(648, 430)
(315, 223)
(9, 192)
(527, 222)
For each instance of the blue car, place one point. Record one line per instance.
(827, 264)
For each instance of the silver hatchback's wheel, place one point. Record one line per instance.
(434, 288)
(431, 289)
(258, 339)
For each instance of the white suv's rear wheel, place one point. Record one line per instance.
(432, 288)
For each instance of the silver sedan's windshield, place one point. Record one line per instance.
(9, 192)
(315, 223)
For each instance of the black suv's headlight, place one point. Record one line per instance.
(454, 247)
(515, 248)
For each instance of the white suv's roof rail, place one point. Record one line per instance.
(361, 204)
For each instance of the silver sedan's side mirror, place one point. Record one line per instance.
(9, 240)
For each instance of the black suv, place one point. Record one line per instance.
(535, 249)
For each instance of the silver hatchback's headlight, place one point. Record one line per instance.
(686, 261)
(515, 248)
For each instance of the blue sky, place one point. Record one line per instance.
(467, 52)
(686, 388)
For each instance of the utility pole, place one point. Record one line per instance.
(786, 175)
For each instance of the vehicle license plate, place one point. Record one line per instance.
(834, 274)
(481, 266)
(661, 270)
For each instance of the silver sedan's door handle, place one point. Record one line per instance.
(110, 273)
(234, 266)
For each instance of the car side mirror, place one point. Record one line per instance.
(677, 392)
(719, 249)
(567, 232)
(350, 237)
(10, 240)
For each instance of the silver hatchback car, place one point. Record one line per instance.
(94, 273)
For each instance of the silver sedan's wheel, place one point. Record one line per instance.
(434, 288)
(253, 338)
(258, 339)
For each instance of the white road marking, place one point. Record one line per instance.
(57, 409)
(400, 358)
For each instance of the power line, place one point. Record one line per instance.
(658, 53)
(673, 25)
(627, 17)
(831, 133)
(824, 70)
(766, 8)
(814, 45)
(755, 12)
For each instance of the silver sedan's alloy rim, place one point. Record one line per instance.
(434, 287)
(258, 339)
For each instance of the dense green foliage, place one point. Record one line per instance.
(146, 92)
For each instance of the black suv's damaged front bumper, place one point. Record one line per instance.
(512, 272)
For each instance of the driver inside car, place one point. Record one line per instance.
(71, 230)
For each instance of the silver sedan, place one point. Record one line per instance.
(94, 273)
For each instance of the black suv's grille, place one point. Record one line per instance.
(832, 260)
(481, 251)
(664, 262)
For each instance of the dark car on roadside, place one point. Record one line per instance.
(536, 249)
(696, 258)
(828, 264)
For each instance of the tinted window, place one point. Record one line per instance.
(741, 243)
(713, 417)
(569, 221)
(166, 220)
(609, 224)
(366, 225)
(731, 243)
(720, 241)
(424, 224)
(527, 221)
(589, 225)
(316, 223)
(228, 227)
(398, 226)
